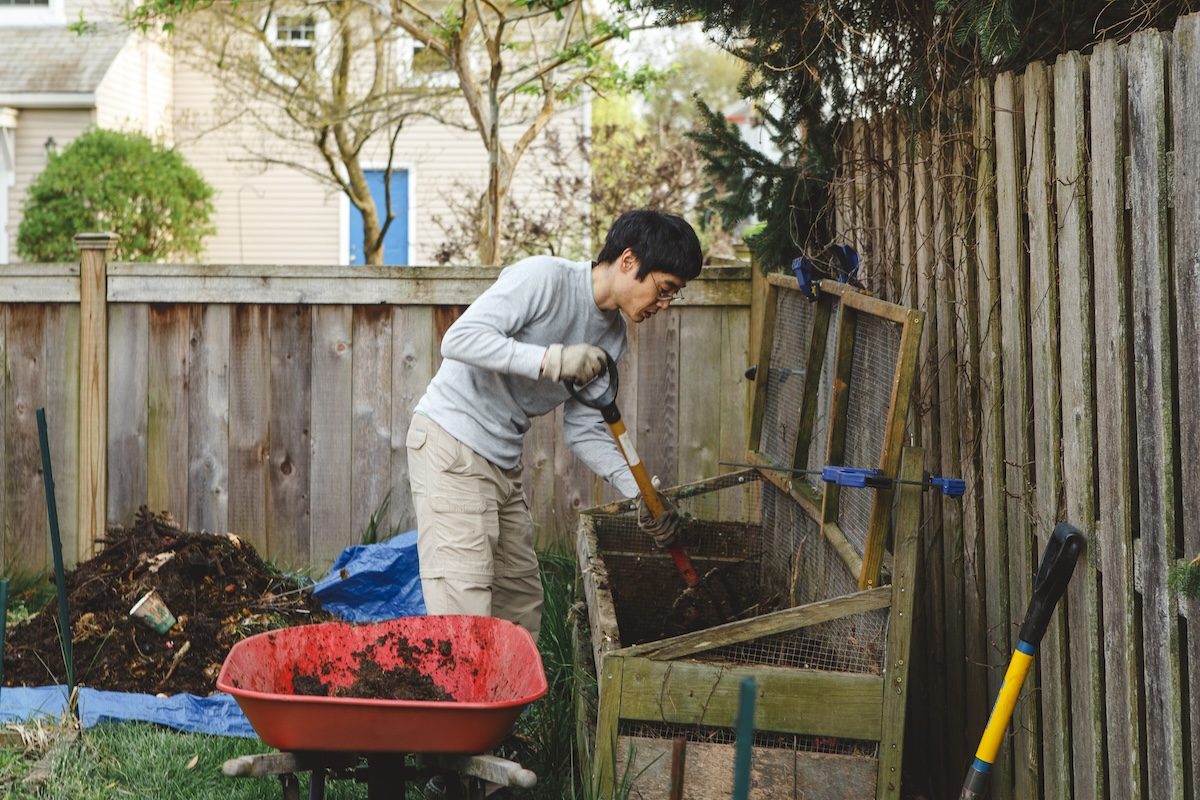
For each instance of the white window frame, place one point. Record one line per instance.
(28, 16)
(405, 48)
(8, 172)
(321, 38)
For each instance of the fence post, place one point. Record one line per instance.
(93, 387)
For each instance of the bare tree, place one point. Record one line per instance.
(328, 83)
(516, 64)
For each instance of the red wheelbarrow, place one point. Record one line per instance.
(490, 667)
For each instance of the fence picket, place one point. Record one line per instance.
(1114, 434)
(208, 419)
(991, 420)
(167, 417)
(288, 486)
(249, 417)
(413, 346)
(1185, 93)
(1078, 419)
(1047, 469)
(62, 406)
(25, 525)
(372, 418)
(128, 377)
(333, 436)
(1156, 424)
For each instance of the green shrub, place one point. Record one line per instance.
(120, 182)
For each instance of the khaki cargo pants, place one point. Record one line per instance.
(474, 531)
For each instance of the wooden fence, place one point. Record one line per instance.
(273, 402)
(1052, 236)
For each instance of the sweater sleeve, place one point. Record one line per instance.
(590, 439)
(483, 335)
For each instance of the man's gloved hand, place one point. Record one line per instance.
(663, 529)
(577, 363)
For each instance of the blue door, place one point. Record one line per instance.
(395, 243)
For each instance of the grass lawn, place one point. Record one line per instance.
(137, 760)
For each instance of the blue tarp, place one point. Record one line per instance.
(365, 584)
(374, 582)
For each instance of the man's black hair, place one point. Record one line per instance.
(662, 243)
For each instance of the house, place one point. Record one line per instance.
(55, 82)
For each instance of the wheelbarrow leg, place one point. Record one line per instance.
(385, 776)
(291, 786)
(316, 785)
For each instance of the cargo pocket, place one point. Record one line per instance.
(463, 535)
(416, 438)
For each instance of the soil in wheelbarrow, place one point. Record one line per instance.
(373, 681)
(216, 585)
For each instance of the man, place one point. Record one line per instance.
(545, 321)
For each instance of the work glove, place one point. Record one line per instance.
(577, 363)
(663, 529)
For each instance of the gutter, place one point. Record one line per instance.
(49, 100)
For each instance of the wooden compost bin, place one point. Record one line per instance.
(818, 577)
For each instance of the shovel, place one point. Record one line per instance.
(606, 404)
(1054, 573)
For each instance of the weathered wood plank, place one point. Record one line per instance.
(289, 486)
(93, 388)
(1014, 313)
(26, 530)
(945, 349)
(332, 467)
(1114, 435)
(775, 622)
(967, 337)
(249, 422)
(208, 419)
(39, 283)
(1077, 344)
(931, 624)
(128, 386)
(167, 410)
(907, 544)
(1046, 410)
(62, 406)
(699, 411)
(283, 285)
(841, 704)
(734, 422)
(412, 360)
(372, 415)
(1156, 423)
(1185, 92)
(658, 375)
(991, 423)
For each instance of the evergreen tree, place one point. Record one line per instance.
(814, 66)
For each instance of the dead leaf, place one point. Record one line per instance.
(195, 760)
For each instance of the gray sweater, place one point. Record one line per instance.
(489, 385)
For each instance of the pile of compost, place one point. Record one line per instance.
(217, 587)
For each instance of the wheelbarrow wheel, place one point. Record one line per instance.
(445, 787)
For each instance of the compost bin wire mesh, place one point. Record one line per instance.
(876, 353)
(785, 376)
(765, 739)
(802, 566)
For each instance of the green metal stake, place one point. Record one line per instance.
(60, 578)
(745, 739)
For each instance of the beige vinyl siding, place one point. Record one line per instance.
(34, 127)
(136, 94)
(271, 215)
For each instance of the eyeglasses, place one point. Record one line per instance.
(668, 294)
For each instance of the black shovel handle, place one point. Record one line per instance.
(606, 403)
(1053, 575)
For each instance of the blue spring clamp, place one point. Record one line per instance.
(857, 478)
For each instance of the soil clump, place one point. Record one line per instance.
(400, 680)
(216, 585)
